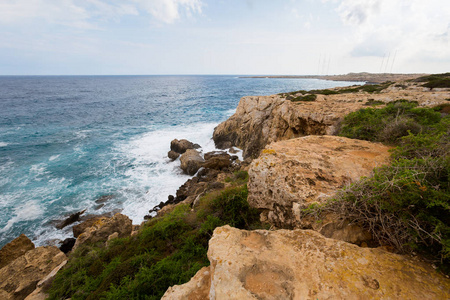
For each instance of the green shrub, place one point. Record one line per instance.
(168, 250)
(390, 123)
(306, 98)
(435, 80)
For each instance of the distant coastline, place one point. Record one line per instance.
(363, 76)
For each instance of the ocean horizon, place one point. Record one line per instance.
(68, 140)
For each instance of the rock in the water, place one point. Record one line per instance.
(67, 245)
(173, 155)
(292, 174)
(303, 264)
(180, 146)
(103, 228)
(17, 247)
(217, 160)
(70, 220)
(191, 161)
(20, 277)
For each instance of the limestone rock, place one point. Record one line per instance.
(294, 173)
(173, 155)
(196, 289)
(70, 220)
(302, 264)
(20, 277)
(17, 247)
(260, 120)
(103, 228)
(180, 146)
(191, 161)
(80, 228)
(217, 160)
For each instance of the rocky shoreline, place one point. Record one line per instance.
(292, 161)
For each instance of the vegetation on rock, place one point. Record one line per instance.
(168, 250)
(405, 205)
(435, 80)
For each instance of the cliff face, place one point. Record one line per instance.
(291, 174)
(302, 264)
(260, 120)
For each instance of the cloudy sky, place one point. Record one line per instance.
(223, 37)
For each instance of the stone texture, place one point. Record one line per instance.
(180, 146)
(17, 247)
(173, 155)
(80, 228)
(294, 173)
(191, 161)
(103, 228)
(260, 120)
(302, 264)
(20, 278)
(217, 160)
(196, 289)
(42, 286)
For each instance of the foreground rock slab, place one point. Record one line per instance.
(21, 277)
(291, 174)
(17, 247)
(302, 264)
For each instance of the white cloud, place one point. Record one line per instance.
(87, 14)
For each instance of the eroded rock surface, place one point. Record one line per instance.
(260, 120)
(191, 161)
(103, 227)
(20, 278)
(17, 247)
(291, 174)
(302, 264)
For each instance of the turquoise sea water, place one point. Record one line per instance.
(65, 141)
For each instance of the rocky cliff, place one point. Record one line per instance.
(302, 264)
(289, 175)
(260, 120)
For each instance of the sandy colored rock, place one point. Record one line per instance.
(302, 264)
(195, 289)
(17, 247)
(260, 120)
(180, 146)
(191, 161)
(292, 174)
(103, 228)
(20, 278)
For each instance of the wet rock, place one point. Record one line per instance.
(303, 264)
(67, 245)
(291, 174)
(70, 220)
(217, 160)
(14, 249)
(180, 146)
(173, 155)
(191, 161)
(105, 198)
(103, 228)
(19, 278)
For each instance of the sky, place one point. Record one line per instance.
(254, 37)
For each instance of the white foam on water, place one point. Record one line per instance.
(27, 211)
(153, 176)
(3, 144)
(230, 112)
(54, 157)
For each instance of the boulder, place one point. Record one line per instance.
(191, 161)
(100, 230)
(173, 155)
(20, 278)
(42, 286)
(80, 228)
(196, 289)
(67, 245)
(17, 247)
(303, 264)
(217, 160)
(180, 146)
(291, 174)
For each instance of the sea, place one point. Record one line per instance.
(68, 141)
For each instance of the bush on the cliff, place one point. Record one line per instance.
(407, 204)
(390, 123)
(168, 250)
